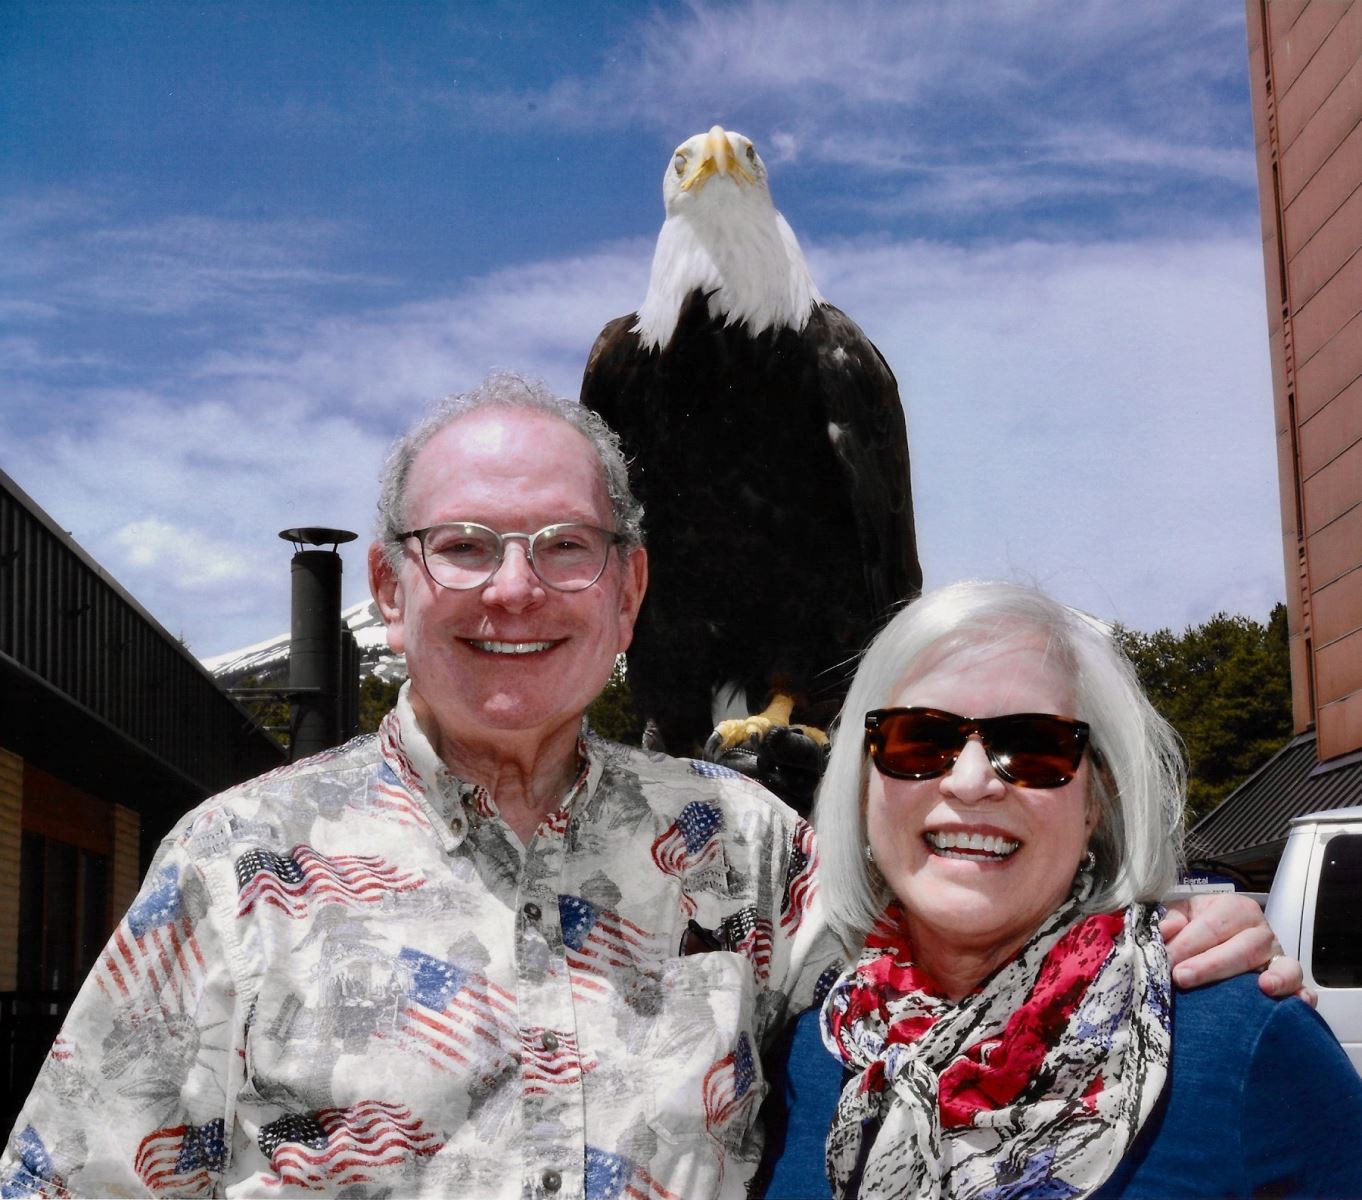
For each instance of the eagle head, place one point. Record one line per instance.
(724, 239)
(719, 154)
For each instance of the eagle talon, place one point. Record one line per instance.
(717, 751)
(787, 759)
(751, 732)
(733, 732)
(813, 733)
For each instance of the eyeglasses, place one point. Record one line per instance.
(1033, 750)
(461, 555)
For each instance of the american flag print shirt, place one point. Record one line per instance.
(350, 976)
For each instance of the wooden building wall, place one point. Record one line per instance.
(1305, 71)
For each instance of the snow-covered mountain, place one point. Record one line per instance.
(268, 660)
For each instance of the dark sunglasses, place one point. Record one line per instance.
(1033, 750)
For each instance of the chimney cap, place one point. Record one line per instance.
(316, 535)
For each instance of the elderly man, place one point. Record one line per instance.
(480, 953)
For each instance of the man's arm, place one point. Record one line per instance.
(131, 1099)
(1223, 934)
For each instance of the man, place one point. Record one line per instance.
(477, 954)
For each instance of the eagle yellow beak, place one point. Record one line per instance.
(717, 159)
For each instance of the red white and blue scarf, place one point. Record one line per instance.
(1035, 1085)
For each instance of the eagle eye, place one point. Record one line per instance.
(679, 162)
(751, 152)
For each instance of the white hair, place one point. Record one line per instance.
(1137, 776)
(506, 390)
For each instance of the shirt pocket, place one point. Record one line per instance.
(705, 1063)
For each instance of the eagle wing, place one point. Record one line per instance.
(614, 347)
(865, 424)
(870, 441)
(619, 376)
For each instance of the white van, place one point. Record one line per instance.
(1315, 909)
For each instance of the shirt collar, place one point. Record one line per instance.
(432, 783)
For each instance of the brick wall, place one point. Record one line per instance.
(126, 874)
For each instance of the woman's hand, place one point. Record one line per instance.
(1222, 934)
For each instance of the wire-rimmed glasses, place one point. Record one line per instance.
(462, 555)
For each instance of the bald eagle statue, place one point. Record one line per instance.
(768, 447)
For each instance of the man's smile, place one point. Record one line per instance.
(490, 647)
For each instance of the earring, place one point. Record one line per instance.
(869, 854)
(1084, 882)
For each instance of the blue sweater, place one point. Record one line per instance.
(1260, 1100)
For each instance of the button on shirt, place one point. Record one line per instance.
(351, 974)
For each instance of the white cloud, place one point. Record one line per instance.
(540, 318)
(1080, 147)
(79, 253)
(195, 561)
(1096, 418)
(991, 79)
(179, 486)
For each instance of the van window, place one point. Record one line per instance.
(1336, 960)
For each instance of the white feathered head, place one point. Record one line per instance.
(724, 237)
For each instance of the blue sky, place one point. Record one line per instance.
(242, 243)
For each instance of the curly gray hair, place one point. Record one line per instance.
(506, 390)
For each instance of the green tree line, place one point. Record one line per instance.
(1225, 686)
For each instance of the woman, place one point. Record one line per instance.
(997, 840)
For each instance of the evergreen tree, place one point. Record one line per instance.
(376, 697)
(1225, 686)
(612, 713)
(271, 711)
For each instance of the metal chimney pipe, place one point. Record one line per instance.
(314, 664)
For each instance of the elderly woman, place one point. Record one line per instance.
(998, 821)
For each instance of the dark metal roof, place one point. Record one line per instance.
(1253, 818)
(94, 690)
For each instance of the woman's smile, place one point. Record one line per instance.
(973, 846)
